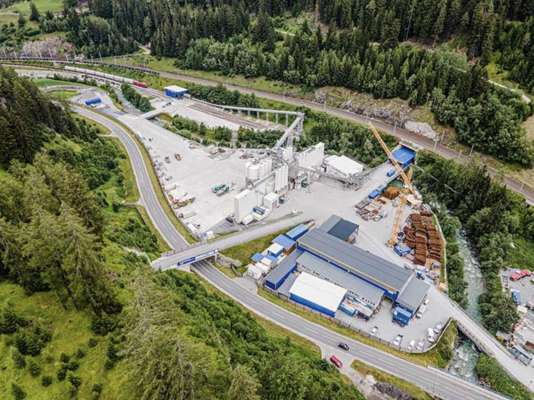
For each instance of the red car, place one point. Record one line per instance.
(520, 275)
(336, 361)
(140, 84)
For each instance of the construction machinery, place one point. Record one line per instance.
(408, 187)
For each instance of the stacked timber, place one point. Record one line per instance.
(421, 235)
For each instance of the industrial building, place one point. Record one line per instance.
(340, 228)
(327, 254)
(174, 91)
(317, 293)
(342, 167)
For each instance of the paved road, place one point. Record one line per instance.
(431, 380)
(147, 192)
(434, 381)
(247, 235)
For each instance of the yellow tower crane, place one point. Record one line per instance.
(408, 187)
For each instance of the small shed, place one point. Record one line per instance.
(275, 249)
(287, 243)
(257, 257)
(297, 232)
(174, 91)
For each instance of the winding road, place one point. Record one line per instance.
(433, 381)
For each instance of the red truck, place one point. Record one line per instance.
(520, 275)
(336, 361)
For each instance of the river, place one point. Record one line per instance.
(465, 354)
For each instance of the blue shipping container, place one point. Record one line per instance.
(93, 101)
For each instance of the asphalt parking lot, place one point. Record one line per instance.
(525, 286)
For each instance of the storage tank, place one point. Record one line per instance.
(254, 172)
(244, 202)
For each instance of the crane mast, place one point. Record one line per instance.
(408, 187)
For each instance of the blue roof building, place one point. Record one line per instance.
(404, 156)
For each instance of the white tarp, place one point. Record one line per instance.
(318, 291)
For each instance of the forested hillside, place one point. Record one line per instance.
(388, 49)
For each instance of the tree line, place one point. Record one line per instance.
(493, 217)
(485, 117)
(187, 342)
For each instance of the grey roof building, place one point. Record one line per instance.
(413, 294)
(382, 273)
(340, 228)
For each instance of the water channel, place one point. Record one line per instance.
(465, 354)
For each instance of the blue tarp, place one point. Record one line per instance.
(284, 241)
(404, 156)
(257, 257)
(297, 232)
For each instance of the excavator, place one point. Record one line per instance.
(408, 187)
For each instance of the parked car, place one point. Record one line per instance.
(420, 345)
(438, 328)
(398, 340)
(411, 345)
(427, 300)
(374, 330)
(343, 346)
(518, 275)
(336, 361)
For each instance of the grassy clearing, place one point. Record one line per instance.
(244, 251)
(407, 387)
(62, 95)
(23, 7)
(45, 82)
(70, 332)
(438, 357)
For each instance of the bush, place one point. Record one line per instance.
(35, 369)
(93, 342)
(103, 325)
(18, 393)
(73, 365)
(18, 359)
(10, 322)
(64, 358)
(80, 354)
(109, 364)
(491, 372)
(75, 381)
(46, 380)
(62, 373)
(96, 391)
(31, 342)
